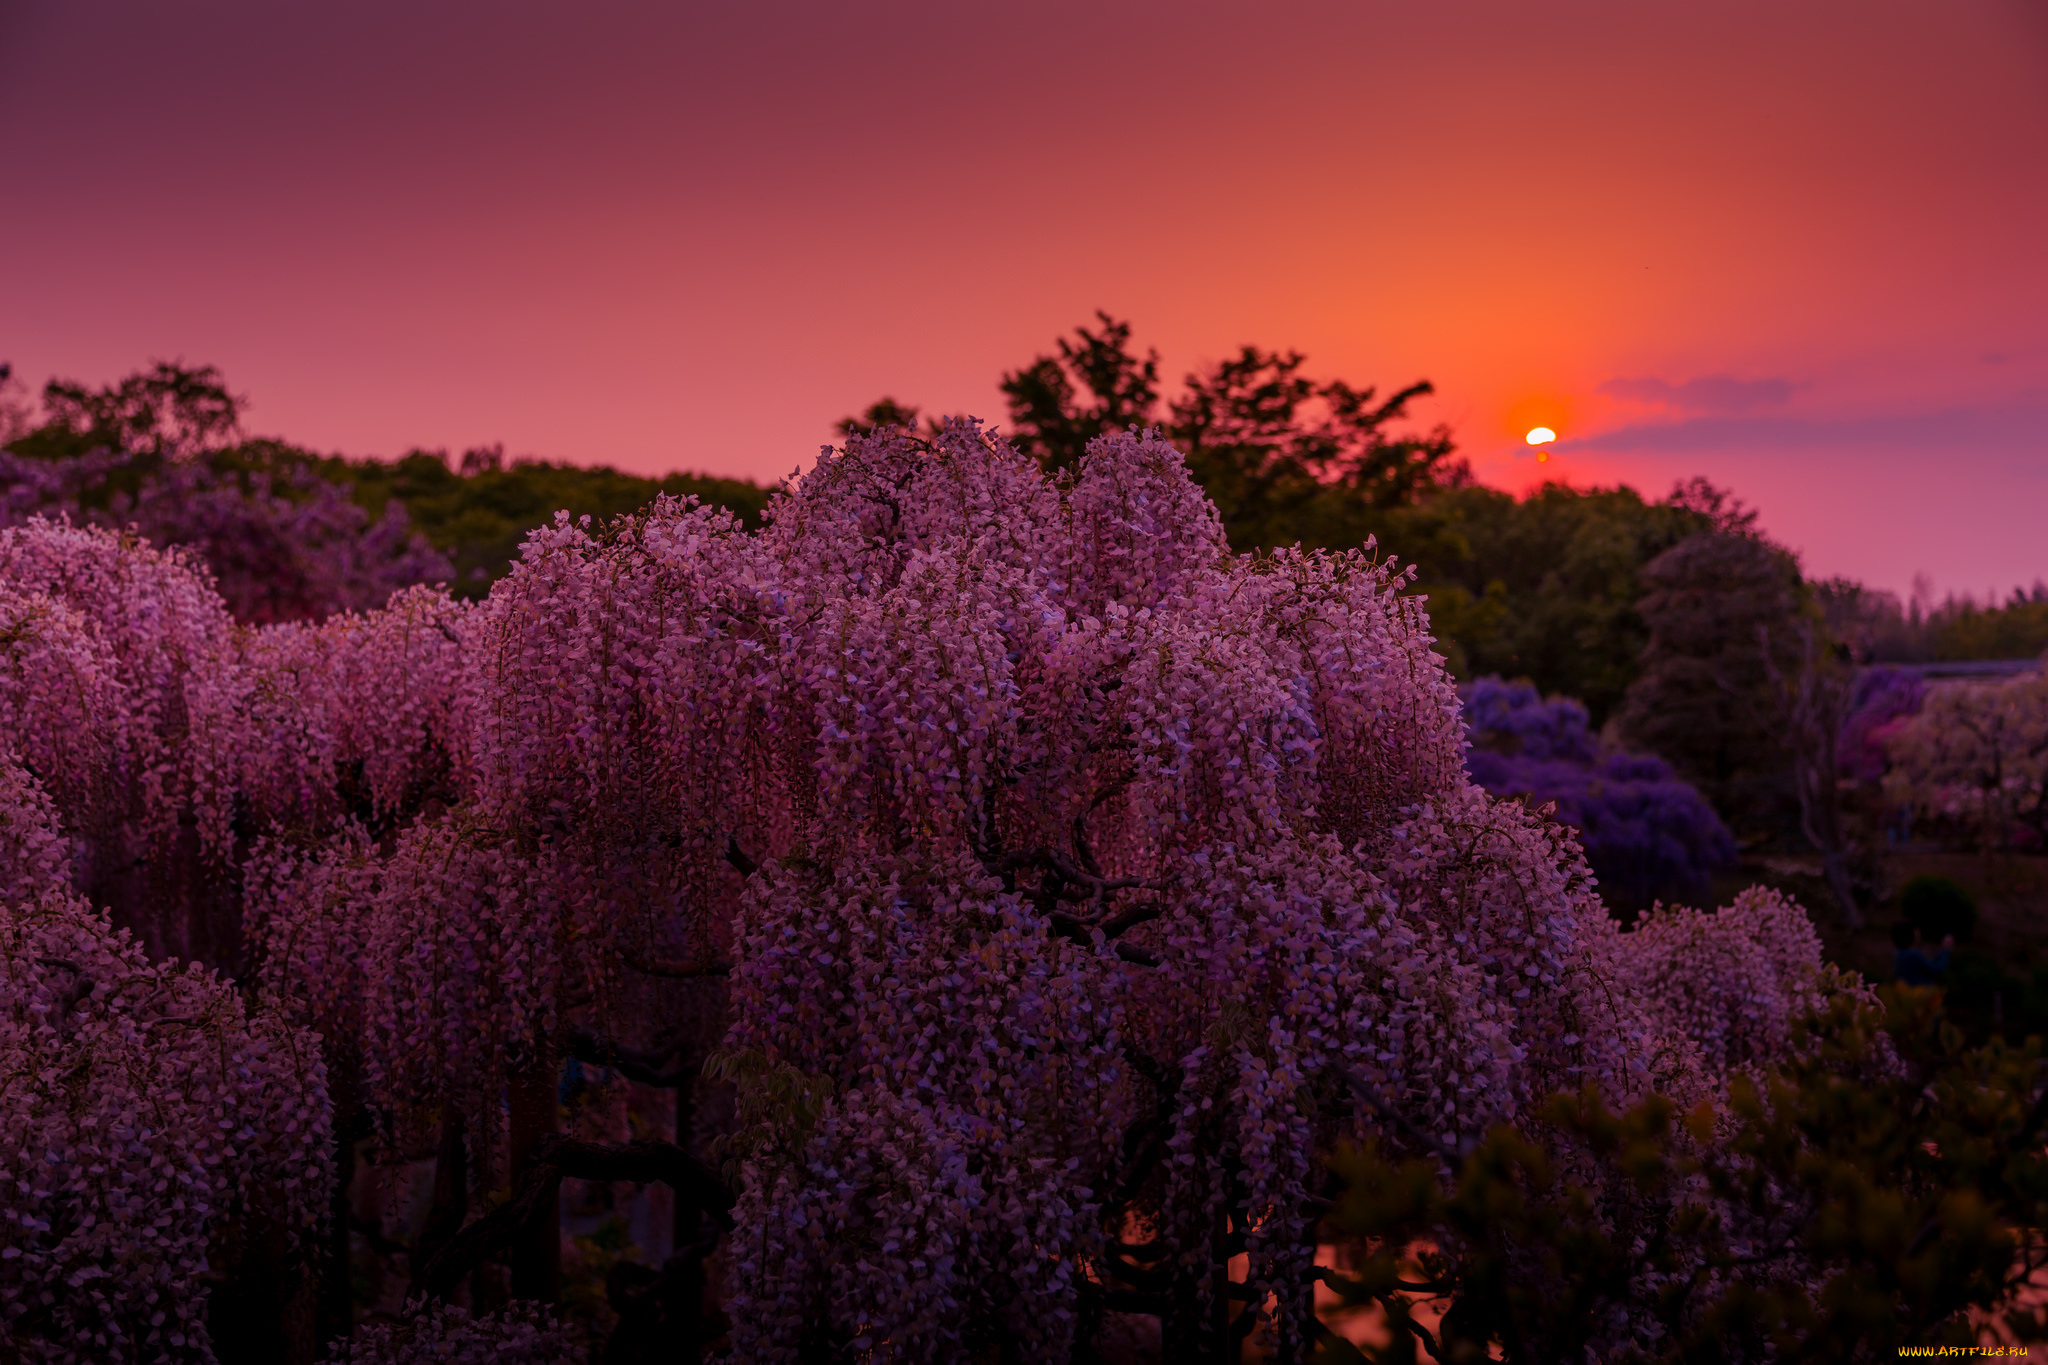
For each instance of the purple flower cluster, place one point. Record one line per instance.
(1733, 982)
(1977, 753)
(1646, 833)
(280, 546)
(1884, 700)
(443, 1335)
(143, 1106)
(1077, 885)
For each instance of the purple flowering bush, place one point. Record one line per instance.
(1647, 834)
(1051, 893)
(1976, 755)
(281, 543)
(1884, 700)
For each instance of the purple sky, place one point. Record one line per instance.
(1795, 248)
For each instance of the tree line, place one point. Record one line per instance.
(1546, 587)
(1682, 630)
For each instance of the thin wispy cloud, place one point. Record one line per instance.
(1709, 393)
(2013, 426)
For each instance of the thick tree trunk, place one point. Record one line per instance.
(336, 1298)
(686, 1119)
(266, 1312)
(537, 1251)
(1816, 698)
(451, 1196)
(1835, 862)
(1219, 1285)
(337, 1282)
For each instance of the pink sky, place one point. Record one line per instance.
(1795, 248)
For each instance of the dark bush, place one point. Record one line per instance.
(1938, 908)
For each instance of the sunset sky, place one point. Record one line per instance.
(1801, 249)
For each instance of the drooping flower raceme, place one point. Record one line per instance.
(165, 639)
(1646, 833)
(143, 1107)
(1081, 883)
(362, 715)
(443, 1335)
(1077, 885)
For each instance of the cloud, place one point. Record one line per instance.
(2012, 427)
(1709, 393)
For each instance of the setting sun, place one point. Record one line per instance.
(1539, 435)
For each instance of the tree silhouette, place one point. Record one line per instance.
(1052, 421)
(1287, 459)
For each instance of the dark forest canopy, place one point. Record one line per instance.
(473, 510)
(1543, 587)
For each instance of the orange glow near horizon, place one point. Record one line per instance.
(1789, 248)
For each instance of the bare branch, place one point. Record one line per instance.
(1082, 931)
(488, 1235)
(1131, 918)
(1081, 848)
(1147, 1305)
(1366, 1091)
(663, 1070)
(1052, 860)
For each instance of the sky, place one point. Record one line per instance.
(1794, 248)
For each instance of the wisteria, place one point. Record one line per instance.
(1646, 833)
(147, 1112)
(1977, 753)
(1735, 982)
(362, 715)
(1884, 700)
(282, 545)
(439, 1334)
(1053, 891)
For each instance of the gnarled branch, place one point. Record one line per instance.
(489, 1235)
(663, 1070)
(1366, 1091)
(696, 1186)
(697, 1191)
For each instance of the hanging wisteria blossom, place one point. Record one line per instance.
(1053, 891)
(144, 1110)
